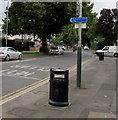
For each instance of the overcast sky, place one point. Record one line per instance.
(98, 6)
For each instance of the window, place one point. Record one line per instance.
(2, 49)
(11, 49)
(106, 48)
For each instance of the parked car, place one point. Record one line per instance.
(8, 53)
(74, 47)
(63, 47)
(113, 50)
(56, 50)
(86, 47)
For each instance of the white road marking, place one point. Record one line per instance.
(35, 86)
(9, 72)
(16, 66)
(20, 76)
(25, 66)
(12, 66)
(29, 74)
(20, 66)
(39, 69)
(33, 68)
(22, 73)
(4, 70)
(43, 69)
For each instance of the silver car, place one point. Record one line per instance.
(56, 50)
(8, 53)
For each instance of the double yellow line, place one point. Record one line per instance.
(23, 90)
(30, 87)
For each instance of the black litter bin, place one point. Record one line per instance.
(58, 94)
(101, 56)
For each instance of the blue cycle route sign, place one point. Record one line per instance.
(79, 19)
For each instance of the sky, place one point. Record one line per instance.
(98, 6)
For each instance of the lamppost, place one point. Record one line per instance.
(116, 23)
(79, 22)
(7, 23)
(79, 51)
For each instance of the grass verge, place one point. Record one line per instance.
(32, 53)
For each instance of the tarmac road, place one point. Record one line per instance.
(96, 98)
(19, 74)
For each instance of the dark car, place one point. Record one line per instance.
(74, 47)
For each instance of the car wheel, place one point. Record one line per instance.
(7, 58)
(115, 54)
(20, 57)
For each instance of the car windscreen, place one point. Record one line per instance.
(54, 48)
(106, 48)
(2, 49)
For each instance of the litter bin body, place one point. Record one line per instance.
(101, 56)
(58, 94)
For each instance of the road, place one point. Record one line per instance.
(19, 74)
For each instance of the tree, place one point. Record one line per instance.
(24, 18)
(68, 35)
(46, 19)
(42, 19)
(57, 15)
(107, 25)
(88, 34)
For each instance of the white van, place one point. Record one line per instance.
(109, 50)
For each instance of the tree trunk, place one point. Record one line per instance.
(44, 45)
(21, 44)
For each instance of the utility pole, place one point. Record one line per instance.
(79, 51)
(7, 24)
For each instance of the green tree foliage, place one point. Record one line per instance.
(57, 15)
(24, 18)
(107, 25)
(88, 34)
(68, 35)
(42, 19)
(46, 19)
(91, 34)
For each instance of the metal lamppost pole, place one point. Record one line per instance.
(79, 51)
(7, 25)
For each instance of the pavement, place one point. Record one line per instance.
(95, 99)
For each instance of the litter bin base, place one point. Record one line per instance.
(55, 103)
(101, 56)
